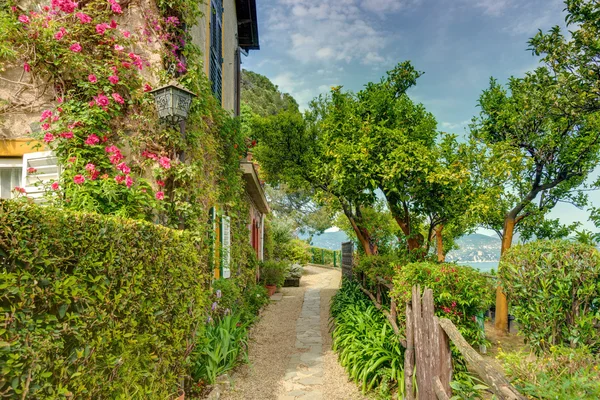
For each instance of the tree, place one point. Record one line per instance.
(263, 97)
(540, 146)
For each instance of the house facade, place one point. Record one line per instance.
(227, 30)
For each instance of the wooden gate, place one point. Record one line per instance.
(347, 259)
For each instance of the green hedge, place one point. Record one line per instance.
(553, 287)
(96, 306)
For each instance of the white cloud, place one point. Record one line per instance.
(533, 16)
(455, 125)
(493, 7)
(331, 31)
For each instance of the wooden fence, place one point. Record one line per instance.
(427, 356)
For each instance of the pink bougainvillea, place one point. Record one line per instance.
(60, 34)
(83, 18)
(92, 78)
(66, 6)
(75, 47)
(115, 7)
(160, 195)
(160, 183)
(92, 140)
(45, 115)
(79, 179)
(67, 135)
(27, 67)
(128, 181)
(90, 167)
(126, 34)
(113, 79)
(31, 170)
(119, 178)
(55, 186)
(123, 168)
(118, 47)
(164, 162)
(24, 19)
(101, 100)
(118, 98)
(147, 87)
(48, 137)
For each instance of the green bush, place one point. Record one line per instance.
(254, 298)
(365, 342)
(562, 373)
(273, 272)
(297, 251)
(379, 265)
(225, 341)
(322, 256)
(460, 293)
(554, 291)
(96, 306)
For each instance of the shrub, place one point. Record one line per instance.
(560, 374)
(365, 342)
(295, 271)
(379, 265)
(297, 251)
(554, 291)
(460, 293)
(254, 298)
(97, 306)
(273, 272)
(218, 352)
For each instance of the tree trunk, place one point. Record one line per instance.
(362, 234)
(440, 243)
(501, 301)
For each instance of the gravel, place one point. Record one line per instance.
(272, 344)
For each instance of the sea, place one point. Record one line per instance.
(483, 266)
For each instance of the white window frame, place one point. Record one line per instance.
(13, 163)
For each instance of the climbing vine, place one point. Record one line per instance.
(117, 157)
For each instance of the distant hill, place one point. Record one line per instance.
(473, 248)
(263, 96)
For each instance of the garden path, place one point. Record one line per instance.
(290, 349)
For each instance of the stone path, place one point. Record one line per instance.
(290, 350)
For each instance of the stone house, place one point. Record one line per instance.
(227, 30)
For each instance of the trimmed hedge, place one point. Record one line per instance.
(95, 306)
(554, 291)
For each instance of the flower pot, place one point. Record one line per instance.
(271, 289)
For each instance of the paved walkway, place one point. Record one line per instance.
(290, 351)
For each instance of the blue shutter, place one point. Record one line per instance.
(216, 47)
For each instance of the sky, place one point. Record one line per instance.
(308, 46)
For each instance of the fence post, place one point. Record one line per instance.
(322, 257)
(334, 260)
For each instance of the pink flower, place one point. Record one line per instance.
(116, 8)
(75, 47)
(118, 98)
(59, 101)
(101, 28)
(160, 183)
(24, 19)
(118, 47)
(119, 178)
(67, 135)
(147, 154)
(123, 168)
(126, 65)
(90, 167)
(112, 149)
(113, 24)
(66, 6)
(31, 170)
(92, 140)
(128, 181)
(45, 115)
(92, 78)
(147, 87)
(164, 162)
(83, 18)
(79, 179)
(113, 79)
(54, 186)
(160, 195)
(27, 67)
(19, 189)
(126, 34)
(94, 175)
(60, 34)
(92, 103)
(48, 137)
(72, 159)
(102, 100)
(45, 126)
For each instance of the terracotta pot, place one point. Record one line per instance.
(271, 289)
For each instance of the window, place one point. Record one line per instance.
(216, 47)
(40, 169)
(10, 176)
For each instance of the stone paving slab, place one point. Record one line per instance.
(304, 377)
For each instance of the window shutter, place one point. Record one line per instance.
(47, 171)
(225, 246)
(216, 47)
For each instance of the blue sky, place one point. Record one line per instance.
(307, 46)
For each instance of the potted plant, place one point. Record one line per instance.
(292, 279)
(272, 274)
